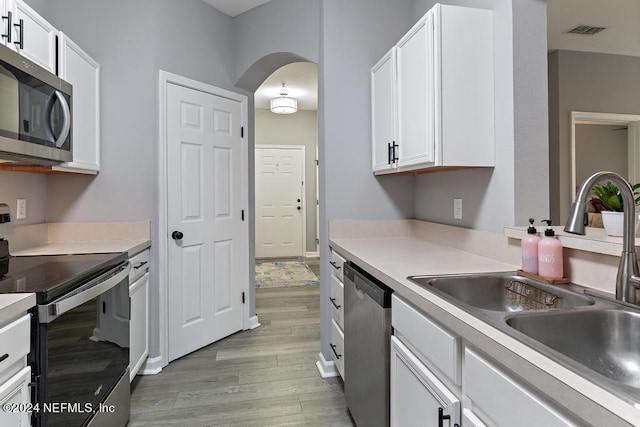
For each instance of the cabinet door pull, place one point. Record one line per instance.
(4, 356)
(20, 42)
(389, 153)
(9, 26)
(442, 417)
(335, 265)
(333, 348)
(142, 264)
(333, 301)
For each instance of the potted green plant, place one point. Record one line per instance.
(609, 203)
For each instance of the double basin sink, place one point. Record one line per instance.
(598, 338)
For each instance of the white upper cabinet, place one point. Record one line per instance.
(442, 94)
(416, 95)
(31, 36)
(78, 68)
(383, 112)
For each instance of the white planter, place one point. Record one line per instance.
(613, 222)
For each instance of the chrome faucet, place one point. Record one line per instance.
(627, 280)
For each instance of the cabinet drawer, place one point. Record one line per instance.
(14, 343)
(336, 263)
(337, 347)
(337, 301)
(488, 387)
(139, 265)
(433, 345)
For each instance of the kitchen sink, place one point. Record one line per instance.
(505, 292)
(606, 341)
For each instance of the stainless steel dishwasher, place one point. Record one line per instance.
(367, 331)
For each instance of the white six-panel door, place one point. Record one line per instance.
(279, 201)
(204, 206)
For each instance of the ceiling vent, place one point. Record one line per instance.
(587, 30)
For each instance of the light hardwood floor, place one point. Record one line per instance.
(263, 377)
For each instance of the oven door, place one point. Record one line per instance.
(82, 350)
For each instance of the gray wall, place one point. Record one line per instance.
(584, 82)
(354, 36)
(516, 188)
(30, 186)
(132, 41)
(300, 128)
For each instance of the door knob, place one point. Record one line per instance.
(298, 208)
(177, 235)
(298, 200)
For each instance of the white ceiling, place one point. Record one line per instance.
(620, 17)
(235, 7)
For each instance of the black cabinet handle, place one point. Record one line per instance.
(389, 153)
(177, 235)
(20, 42)
(442, 417)
(4, 356)
(335, 265)
(333, 301)
(142, 264)
(333, 348)
(9, 26)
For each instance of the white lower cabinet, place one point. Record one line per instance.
(15, 375)
(498, 398)
(139, 321)
(337, 309)
(418, 398)
(433, 369)
(15, 393)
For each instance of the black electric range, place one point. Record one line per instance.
(51, 276)
(80, 335)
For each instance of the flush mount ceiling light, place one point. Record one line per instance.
(284, 104)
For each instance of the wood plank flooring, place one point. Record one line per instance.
(263, 377)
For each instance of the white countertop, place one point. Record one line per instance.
(90, 247)
(392, 259)
(13, 305)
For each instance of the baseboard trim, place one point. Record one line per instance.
(312, 254)
(152, 366)
(326, 368)
(253, 322)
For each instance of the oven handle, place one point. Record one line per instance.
(49, 312)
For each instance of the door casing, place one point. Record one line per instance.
(155, 364)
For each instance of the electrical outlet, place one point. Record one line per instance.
(21, 209)
(457, 208)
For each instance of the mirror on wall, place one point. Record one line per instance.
(604, 141)
(594, 70)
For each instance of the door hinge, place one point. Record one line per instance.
(243, 297)
(242, 214)
(242, 132)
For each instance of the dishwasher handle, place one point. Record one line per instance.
(367, 284)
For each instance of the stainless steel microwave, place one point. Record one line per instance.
(35, 113)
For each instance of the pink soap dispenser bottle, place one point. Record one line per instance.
(529, 247)
(550, 254)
